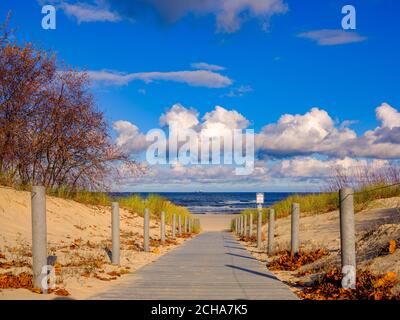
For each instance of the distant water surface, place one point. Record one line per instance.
(215, 202)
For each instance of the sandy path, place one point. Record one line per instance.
(215, 222)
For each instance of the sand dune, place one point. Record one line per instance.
(77, 235)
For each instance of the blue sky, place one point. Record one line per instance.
(273, 71)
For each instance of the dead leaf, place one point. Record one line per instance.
(392, 246)
(156, 251)
(36, 290)
(61, 292)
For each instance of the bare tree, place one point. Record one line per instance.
(50, 129)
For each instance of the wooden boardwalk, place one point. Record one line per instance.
(213, 265)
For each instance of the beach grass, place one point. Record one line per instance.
(134, 203)
(319, 203)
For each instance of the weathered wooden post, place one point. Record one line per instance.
(271, 230)
(115, 253)
(162, 228)
(180, 226)
(174, 226)
(259, 201)
(241, 226)
(190, 225)
(251, 225)
(146, 230)
(185, 225)
(236, 225)
(295, 228)
(245, 225)
(347, 238)
(39, 236)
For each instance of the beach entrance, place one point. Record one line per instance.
(212, 265)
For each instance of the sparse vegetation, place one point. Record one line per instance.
(288, 262)
(369, 183)
(369, 286)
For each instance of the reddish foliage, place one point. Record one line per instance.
(10, 281)
(288, 262)
(16, 264)
(368, 286)
(61, 292)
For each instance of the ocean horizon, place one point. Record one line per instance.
(214, 202)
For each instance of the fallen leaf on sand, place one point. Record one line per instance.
(2, 256)
(392, 246)
(156, 251)
(36, 290)
(391, 276)
(61, 292)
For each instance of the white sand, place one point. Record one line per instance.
(215, 222)
(77, 235)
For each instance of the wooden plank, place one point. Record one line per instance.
(212, 265)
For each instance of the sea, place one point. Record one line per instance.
(215, 202)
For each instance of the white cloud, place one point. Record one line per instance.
(206, 66)
(89, 13)
(388, 115)
(309, 167)
(309, 147)
(220, 120)
(313, 132)
(331, 37)
(129, 136)
(184, 118)
(196, 78)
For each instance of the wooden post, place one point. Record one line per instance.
(347, 238)
(115, 253)
(251, 225)
(245, 225)
(180, 226)
(174, 226)
(185, 224)
(146, 230)
(162, 228)
(295, 243)
(259, 227)
(39, 236)
(271, 230)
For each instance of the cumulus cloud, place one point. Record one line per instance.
(384, 141)
(331, 37)
(309, 167)
(129, 137)
(84, 12)
(313, 132)
(229, 14)
(301, 147)
(221, 120)
(183, 117)
(388, 115)
(196, 78)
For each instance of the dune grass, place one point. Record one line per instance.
(319, 203)
(155, 203)
(134, 203)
